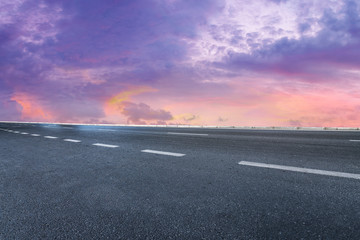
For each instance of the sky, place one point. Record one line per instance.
(203, 62)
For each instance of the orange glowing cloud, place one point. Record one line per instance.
(187, 118)
(31, 108)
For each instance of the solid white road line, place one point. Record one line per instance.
(302, 170)
(163, 153)
(35, 135)
(50, 137)
(190, 134)
(105, 145)
(72, 140)
(354, 140)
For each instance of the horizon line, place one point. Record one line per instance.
(199, 126)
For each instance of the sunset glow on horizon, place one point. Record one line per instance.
(204, 62)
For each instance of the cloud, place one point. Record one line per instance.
(295, 123)
(311, 58)
(220, 119)
(31, 108)
(88, 61)
(10, 110)
(128, 33)
(190, 118)
(71, 57)
(139, 113)
(278, 1)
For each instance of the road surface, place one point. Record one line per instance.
(93, 182)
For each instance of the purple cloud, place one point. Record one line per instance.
(336, 45)
(70, 57)
(137, 113)
(220, 119)
(144, 38)
(10, 110)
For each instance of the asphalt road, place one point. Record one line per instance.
(96, 182)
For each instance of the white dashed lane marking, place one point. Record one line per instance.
(354, 140)
(24, 133)
(302, 170)
(72, 140)
(105, 145)
(50, 137)
(163, 153)
(35, 135)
